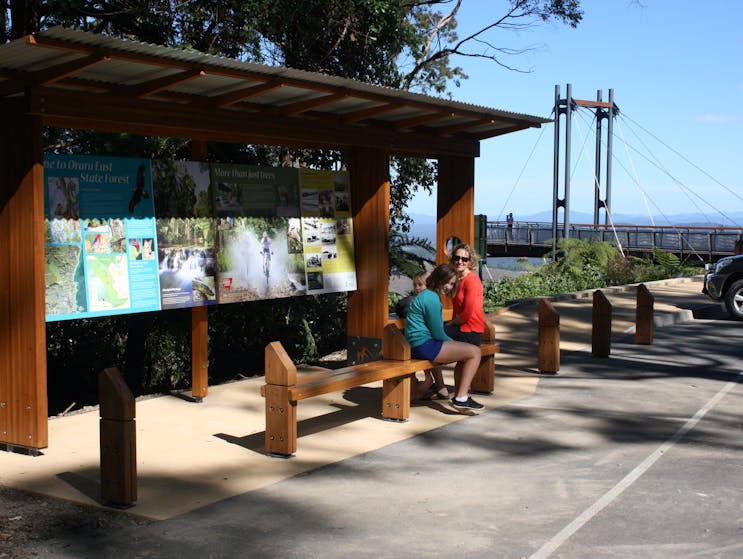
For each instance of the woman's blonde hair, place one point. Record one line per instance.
(471, 254)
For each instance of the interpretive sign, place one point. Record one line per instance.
(128, 235)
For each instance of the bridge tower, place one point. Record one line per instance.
(603, 111)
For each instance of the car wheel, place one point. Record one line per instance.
(734, 300)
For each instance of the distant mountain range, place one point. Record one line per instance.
(424, 226)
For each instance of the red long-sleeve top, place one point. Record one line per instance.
(468, 304)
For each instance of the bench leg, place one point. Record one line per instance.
(484, 380)
(396, 398)
(281, 421)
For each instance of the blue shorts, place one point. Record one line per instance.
(427, 350)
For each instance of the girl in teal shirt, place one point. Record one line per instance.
(424, 330)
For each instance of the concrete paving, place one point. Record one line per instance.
(634, 455)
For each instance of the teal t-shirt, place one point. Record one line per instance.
(424, 321)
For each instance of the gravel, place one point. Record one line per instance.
(37, 526)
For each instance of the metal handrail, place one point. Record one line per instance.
(685, 240)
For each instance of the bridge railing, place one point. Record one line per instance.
(708, 242)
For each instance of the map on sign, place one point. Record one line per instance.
(101, 247)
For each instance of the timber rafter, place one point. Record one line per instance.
(167, 91)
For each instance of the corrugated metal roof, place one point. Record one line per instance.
(61, 59)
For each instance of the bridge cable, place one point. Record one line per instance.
(657, 163)
(647, 197)
(705, 173)
(637, 178)
(687, 190)
(515, 184)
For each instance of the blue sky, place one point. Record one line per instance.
(676, 69)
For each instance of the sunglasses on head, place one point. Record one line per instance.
(456, 258)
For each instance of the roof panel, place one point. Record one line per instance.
(61, 59)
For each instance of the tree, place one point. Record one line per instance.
(437, 39)
(398, 43)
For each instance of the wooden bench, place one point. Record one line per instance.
(283, 388)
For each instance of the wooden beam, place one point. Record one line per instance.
(156, 118)
(227, 99)
(303, 106)
(61, 71)
(364, 114)
(153, 86)
(412, 122)
(461, 127)
(400, 99)
(501, 132)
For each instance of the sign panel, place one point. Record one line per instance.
(185, 234)
(328, 231)
(101, 249)
(120, 241)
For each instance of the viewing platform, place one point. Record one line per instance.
(534, 239)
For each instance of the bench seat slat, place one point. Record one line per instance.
(355, 375)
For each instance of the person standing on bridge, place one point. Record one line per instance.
(509, 226)
(424, 330)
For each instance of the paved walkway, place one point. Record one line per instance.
(622, 444)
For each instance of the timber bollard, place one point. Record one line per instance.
(549, 338)
(644, 316)
(118, 440)
(601, 325)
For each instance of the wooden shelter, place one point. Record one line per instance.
(74, 79)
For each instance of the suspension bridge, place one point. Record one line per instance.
(534, 239)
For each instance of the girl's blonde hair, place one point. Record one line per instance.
(421, 276)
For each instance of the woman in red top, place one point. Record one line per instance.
(468, 322)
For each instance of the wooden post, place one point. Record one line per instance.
(368, 305)
(281, 414)
(644, 316)
(484, 379)
(396, 393)
(23, 386)
(118, 439)
(199, 319)
(455, 206)
(601, 322)
(455, 203)
(396, 398)
(549, 338)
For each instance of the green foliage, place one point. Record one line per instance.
(409, 176)
(409, 255)
(584, 264)
(77, 350)
(306, 326)
(168, 352)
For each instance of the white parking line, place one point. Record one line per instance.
(562, 536)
